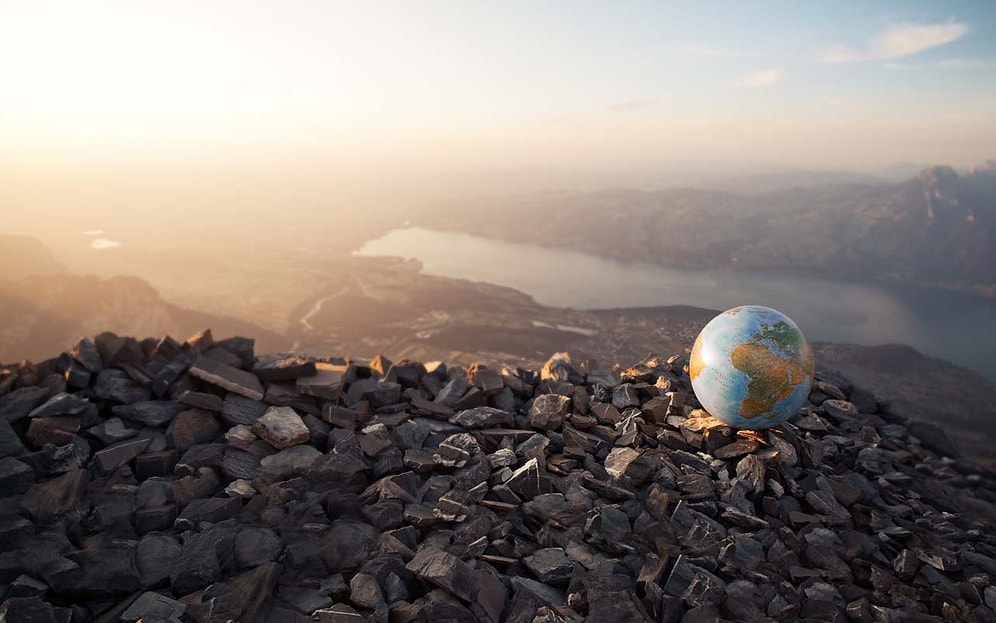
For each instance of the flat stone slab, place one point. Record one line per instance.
(113, 457)
(483, 417)
(327, 381)
(282, 367)
(234, 380)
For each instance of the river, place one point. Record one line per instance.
(954, 326)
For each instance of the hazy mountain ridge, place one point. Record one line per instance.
(938, 228)
(21, 256)
(43, 314)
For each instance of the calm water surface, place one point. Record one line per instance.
(957, 327)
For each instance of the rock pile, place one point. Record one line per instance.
(166, 482)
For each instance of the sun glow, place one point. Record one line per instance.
(139, 71)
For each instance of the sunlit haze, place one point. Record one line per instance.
(498, 84)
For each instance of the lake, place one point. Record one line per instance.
(954, 326)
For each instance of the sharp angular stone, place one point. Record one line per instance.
(445, 571)
(737, 449)
(348, 545)
(155, 557)
(550, 566)
(15, 477)
(365, 592)
(693, 584)
(548, 411)
(525, 481)
(211, 510)
(27, 610)
(238, 409)
(255, 546)
(201, 559)
(452, 392)
(16, 405)
(281, 367)
(10, 443)
(339, 613)
(63, 404)
(112, 457)
(57, 430)
(488, 380)
(483, 417)
(112, 431)
(630, 463)
(115, 385)
(170, 374)
(281, 427)
(201, 400)
(540, 593)
(245, 597)
(155, 413)
(155, 463)
(47, 500)
(327, 382)
(287, 396)
(154, 607)
(227, 377)
(293, 461)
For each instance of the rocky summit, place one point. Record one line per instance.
(163, 481)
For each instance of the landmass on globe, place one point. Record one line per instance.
(751, 367)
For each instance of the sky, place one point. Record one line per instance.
(514, 83)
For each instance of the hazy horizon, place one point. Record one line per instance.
(446, 92)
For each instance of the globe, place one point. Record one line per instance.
(751, 367)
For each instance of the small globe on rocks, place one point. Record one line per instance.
(751, 367)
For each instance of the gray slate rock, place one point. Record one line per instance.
(281, 427)
(227, 377)
(154, 607)
(10, 443)
(483, 417)
(445, 571)
(155, 413)
(548, 411)
(16, 405)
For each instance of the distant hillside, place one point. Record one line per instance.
(42, 315)
(938, 228)
(773, 182)
(21, 256)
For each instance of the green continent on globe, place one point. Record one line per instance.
(773, 378)
(783, 334)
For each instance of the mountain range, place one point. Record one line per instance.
(936, 229)
(42, 313)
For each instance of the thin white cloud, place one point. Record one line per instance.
(898, 41)
(945, 63)
(104, 243)
(93, 232)
(763, 78)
